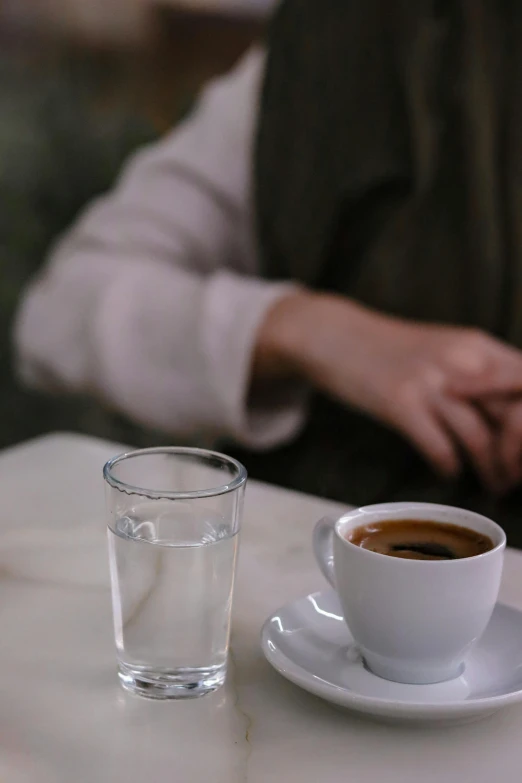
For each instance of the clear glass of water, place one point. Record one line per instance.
(173, 525)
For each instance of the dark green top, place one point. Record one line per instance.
(388, 168)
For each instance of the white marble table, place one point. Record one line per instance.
(64, 718)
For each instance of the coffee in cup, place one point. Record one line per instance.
(415, 614)
(420, 539)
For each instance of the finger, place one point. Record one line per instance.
(420, 425)
(473, 433)
(510, 448)
(506, 416)
(494, 409)
(500, 374)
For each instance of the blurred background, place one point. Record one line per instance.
(82, 84)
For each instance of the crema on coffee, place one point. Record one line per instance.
(420, 539)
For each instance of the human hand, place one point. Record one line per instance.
(505, 415)
(410, 376)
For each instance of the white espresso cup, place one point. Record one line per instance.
(415, 621)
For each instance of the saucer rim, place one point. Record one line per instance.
(301, 677)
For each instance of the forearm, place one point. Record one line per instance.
(169, 348)
(306, 333)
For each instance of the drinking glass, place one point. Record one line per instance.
(173, 526)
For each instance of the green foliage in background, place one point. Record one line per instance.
(58, 150)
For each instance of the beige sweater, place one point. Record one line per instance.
(152, 301)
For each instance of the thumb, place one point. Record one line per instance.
(504, 380)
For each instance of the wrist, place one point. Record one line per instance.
(281, 343)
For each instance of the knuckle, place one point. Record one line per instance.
(470, 353)
(407, 391)
(431, 377)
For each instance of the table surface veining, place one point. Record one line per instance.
(64, 717)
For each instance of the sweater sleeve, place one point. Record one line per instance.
(153, 300)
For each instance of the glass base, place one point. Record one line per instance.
(173, 684)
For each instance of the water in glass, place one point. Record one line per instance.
(172, 571)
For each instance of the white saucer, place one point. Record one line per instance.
(309, 644)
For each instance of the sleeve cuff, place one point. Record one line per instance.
(234, 309)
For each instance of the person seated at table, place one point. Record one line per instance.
(321, 268)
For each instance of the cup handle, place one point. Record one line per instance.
(323, 547)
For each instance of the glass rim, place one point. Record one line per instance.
(172, 494)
